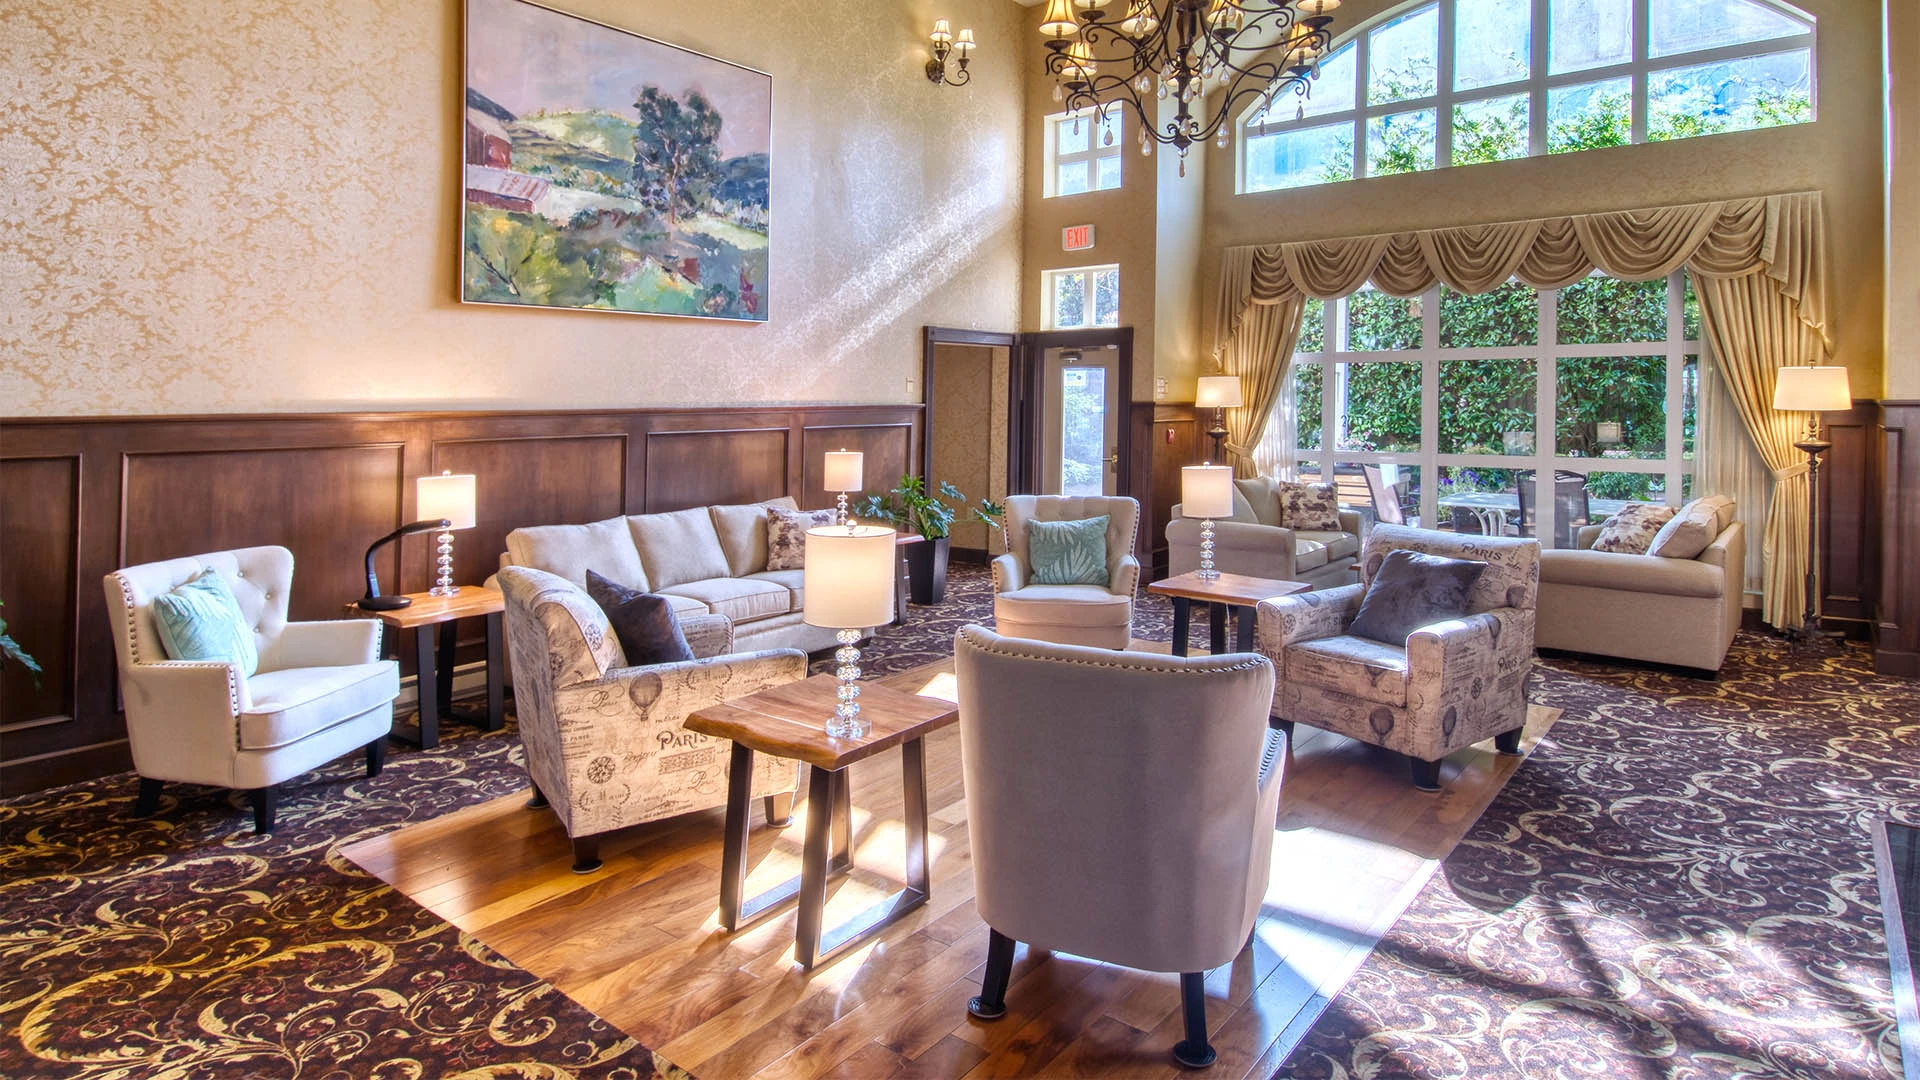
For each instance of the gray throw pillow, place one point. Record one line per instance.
(1413, 589)
(648, 630)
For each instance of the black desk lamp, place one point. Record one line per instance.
(373, 601)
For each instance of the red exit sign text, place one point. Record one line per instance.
(1076, 238)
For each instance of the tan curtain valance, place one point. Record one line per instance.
(1780, 235)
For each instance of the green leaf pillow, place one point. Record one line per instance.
(1069, 552)
(201, 620)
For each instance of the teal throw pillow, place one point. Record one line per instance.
(201, 620)
(1069, 552)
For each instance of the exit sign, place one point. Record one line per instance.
(1076, 238)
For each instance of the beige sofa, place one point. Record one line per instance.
(1643, 607)
(1253, 542)
(706, 559)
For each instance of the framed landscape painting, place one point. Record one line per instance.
(609, 171)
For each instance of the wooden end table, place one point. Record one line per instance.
(789, 721)
(1238, 591)
(432, 617)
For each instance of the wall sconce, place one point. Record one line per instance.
(945, 45)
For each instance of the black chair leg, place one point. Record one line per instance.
(992, 1002)
(149, 799)
(1194, 1051)
(539, 800)
(1508, 742)
(1426, 774)
(586, 854)
(780, 810)
(263, 799)
(376, 756)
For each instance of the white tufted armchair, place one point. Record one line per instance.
(321, 689)
(606, 743)
(1097, 615)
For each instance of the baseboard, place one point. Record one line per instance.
(1901, 665)
(979, 556)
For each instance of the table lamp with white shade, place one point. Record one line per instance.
(844, 472)
(1218, 392)
(1812, 390)
(1206, 492)
(848, 583)
(451, 497)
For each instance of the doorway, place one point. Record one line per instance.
(1080, 420)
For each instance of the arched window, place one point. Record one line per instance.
(1460, 82)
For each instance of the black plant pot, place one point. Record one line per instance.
(927, 570)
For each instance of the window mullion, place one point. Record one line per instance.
(1362, 97)
(1676, 384)
(1546, 399)
(1537, 80)
(1638, 121)
(1430, 402)
(1443, 91)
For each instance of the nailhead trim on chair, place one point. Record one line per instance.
(1190, 666)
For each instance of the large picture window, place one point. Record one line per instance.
(1083, 153)
(1445, 397)
(1464, 82)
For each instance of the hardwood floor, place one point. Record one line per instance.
(639, 943)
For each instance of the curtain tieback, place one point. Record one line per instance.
(1790, 472)
(1237, 449)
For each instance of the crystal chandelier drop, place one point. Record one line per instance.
(1133, 54)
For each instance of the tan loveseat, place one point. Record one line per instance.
(706, 559)
(1253, 542)
(1644, 607)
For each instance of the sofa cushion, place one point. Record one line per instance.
(1068, 605)
(649, 632)
(1261, 502)
(1726, 512)
(1687, 533)
(1315, 507)
(1632, 529)
(794, 581)
(685, 605)
(743, 533)
(1631, 573)
(787, 536)
(1413, 589)
(1339, 545)
(1308, 554)
(1355, 666)
(569, 551)
(678, 547)
(739, 599)
(200, 619)
(1069, 552)
(290, 704)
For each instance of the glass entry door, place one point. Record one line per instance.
(1081, 405)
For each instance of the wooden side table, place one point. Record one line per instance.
(789, 721)
(1227, 591)
(432, 617)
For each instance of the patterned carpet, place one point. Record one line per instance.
(1677, 884)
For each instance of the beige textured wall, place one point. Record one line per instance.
(1903, 200)
(1839, 154)
(253, 206)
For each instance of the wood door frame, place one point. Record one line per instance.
(933, 336)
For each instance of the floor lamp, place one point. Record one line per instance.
(1812, 390)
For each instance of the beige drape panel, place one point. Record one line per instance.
(1726, 463)
(1761, 258)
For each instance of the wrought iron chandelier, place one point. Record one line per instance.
(1178, 50)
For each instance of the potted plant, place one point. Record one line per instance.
(910, 506)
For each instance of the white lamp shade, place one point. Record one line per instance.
(1206, 491)
(844, 470)
(849, 576)
(1218, 392)
(1812, 389)
(446, 496)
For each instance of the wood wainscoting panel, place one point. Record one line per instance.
(1896, 637)
(323, 503)
(1177, 442)
(528, 480)
(889, 454)
(39, 579)
(84, 495)
(701, 467)
(1850, 518)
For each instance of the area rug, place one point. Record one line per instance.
(183, 945)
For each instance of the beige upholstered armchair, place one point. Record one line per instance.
(320, 690)
(1453, 684)
(605, 745)
(1120, 806)
(1098, 615)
